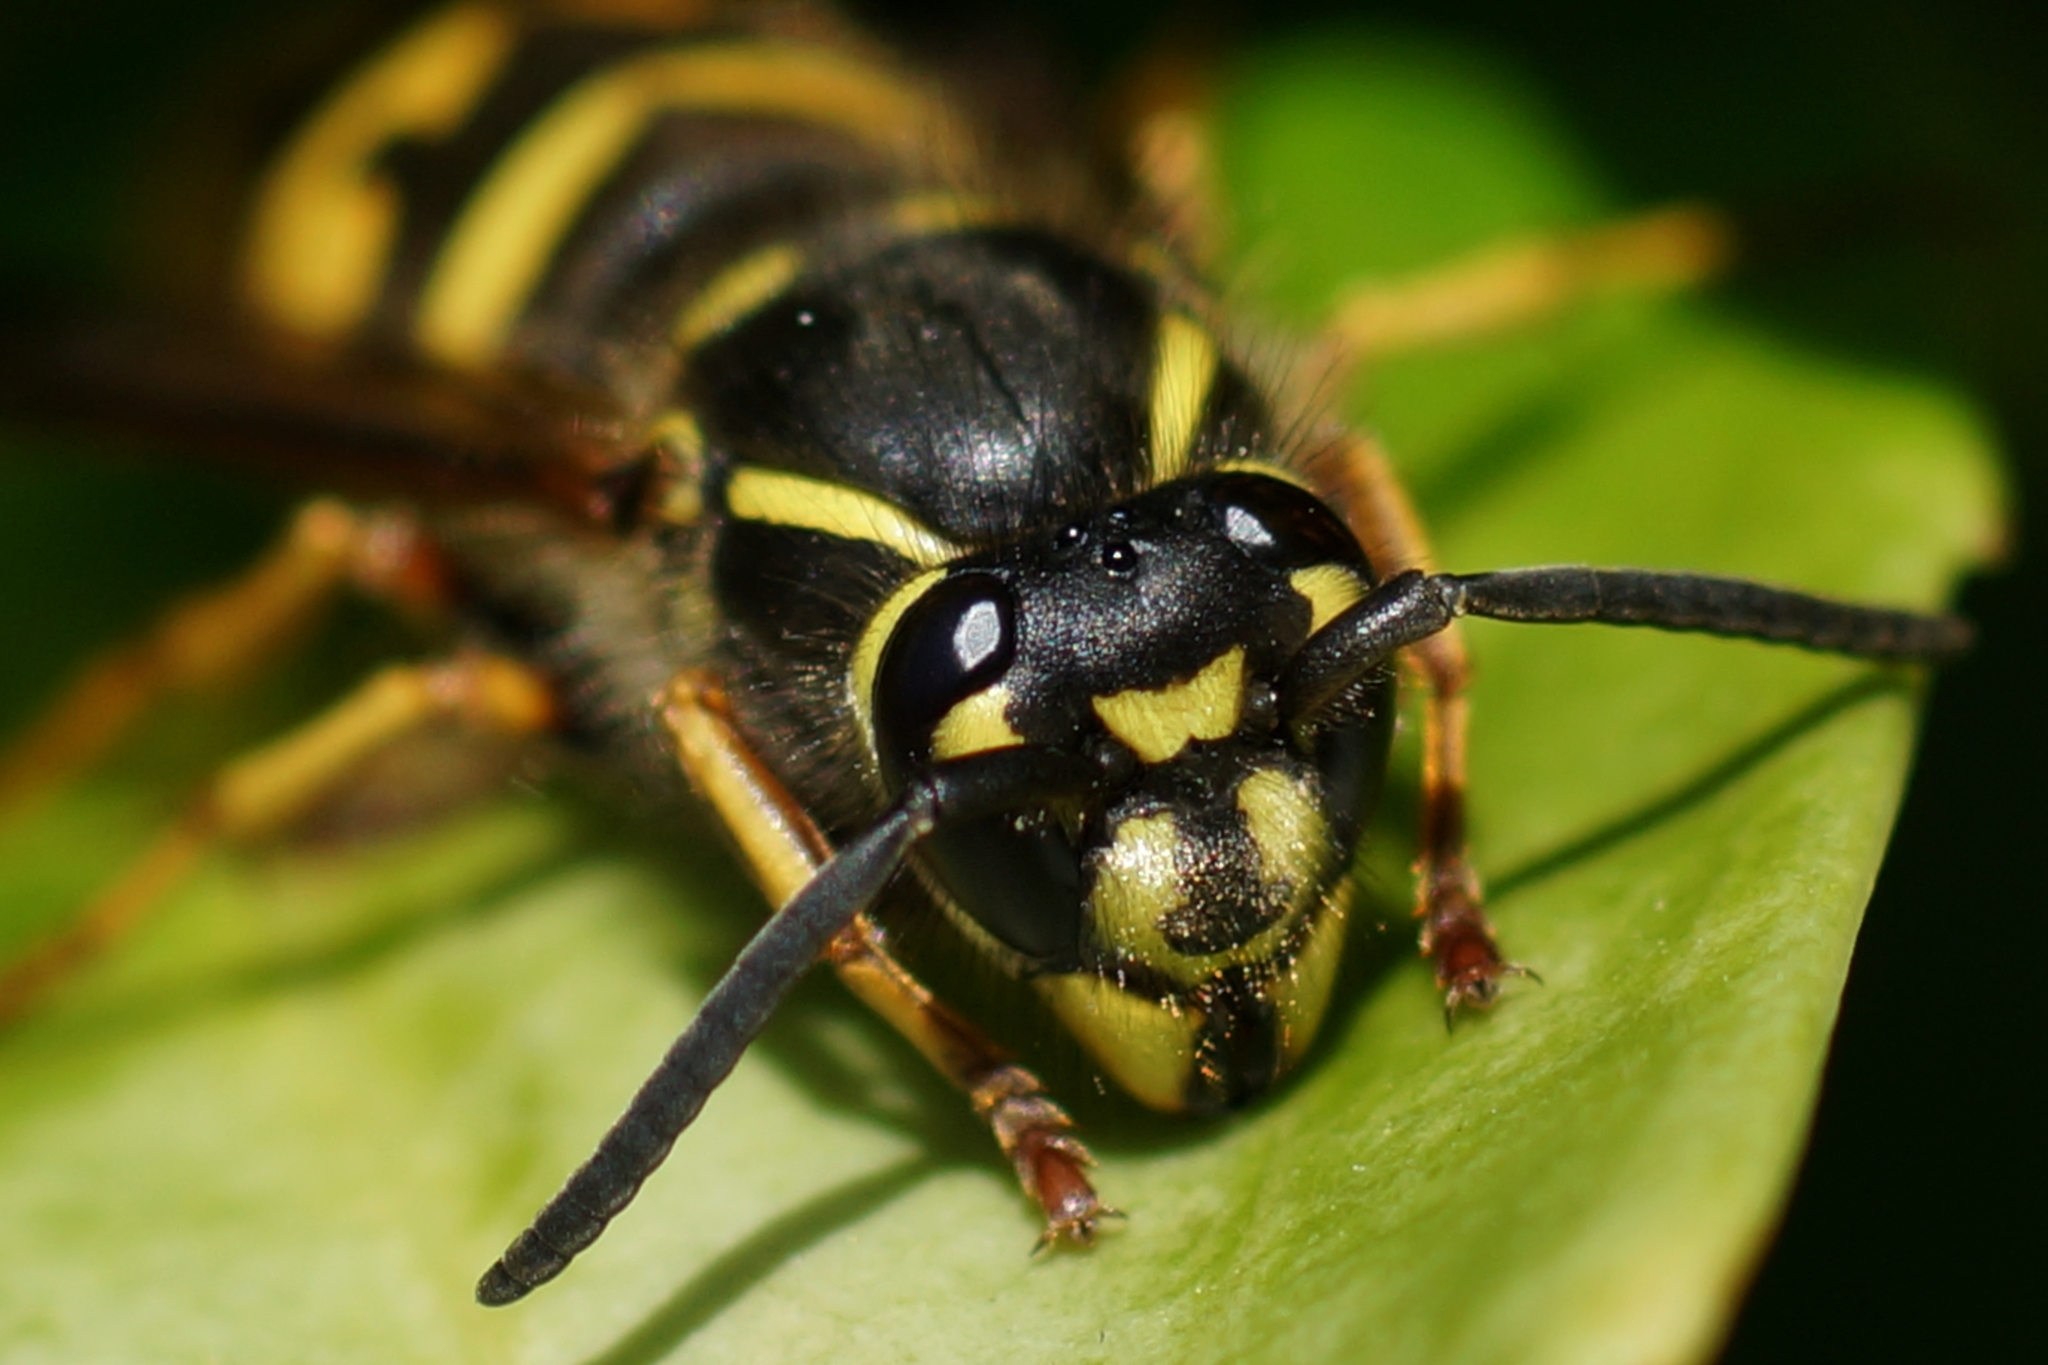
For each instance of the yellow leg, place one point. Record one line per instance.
(265, 791)
(783, 849)
(1456, 936)
(216, 638)
(1163, 116)
(1516, 283)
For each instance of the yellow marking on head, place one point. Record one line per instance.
(1301, 994)
(325, 217)
(1183, 369)
(874, 638)
(976, 725)
(1287, 827)
(837, 509)
(736, 291)
(1147, 1047)
(1136, 888)
(679, 438)
(1136, 885)
(500, 245)
(1330, 589)
(1160, 722)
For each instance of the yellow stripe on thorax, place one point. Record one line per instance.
(1183, 370)
(836, 509)
(736, 291)
(501, 244)
(752, 280)
(325, 220)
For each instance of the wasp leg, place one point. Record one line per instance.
(1518, 282)
(784, 850)
(266, 790)
(218, 637)
(1456, 935)
(1162, 119)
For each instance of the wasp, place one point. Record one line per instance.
(765, 428)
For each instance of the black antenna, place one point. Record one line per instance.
(1410, 607)
(740, 1005)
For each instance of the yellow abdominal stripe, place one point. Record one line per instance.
(326, 219)
(502, 241)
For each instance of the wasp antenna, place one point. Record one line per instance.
(735, 1012)
(739, 1006)
(1713, 606)
(1410, 607)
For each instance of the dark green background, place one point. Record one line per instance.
(1913, 1233)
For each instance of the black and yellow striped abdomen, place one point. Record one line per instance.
(523, 185)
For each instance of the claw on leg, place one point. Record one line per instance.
(1458, 939)
(1051, 1163)
(1456, 935)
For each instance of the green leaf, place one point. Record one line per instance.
(299, 1115)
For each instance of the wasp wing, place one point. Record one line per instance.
(353, 420)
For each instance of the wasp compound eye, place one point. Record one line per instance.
(952, 644)
(1276, 524)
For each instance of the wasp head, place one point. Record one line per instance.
(1185, 919)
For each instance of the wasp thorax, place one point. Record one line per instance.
(1185, 920)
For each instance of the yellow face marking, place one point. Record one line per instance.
(1287, 827)
(681, 441)
(1301, 994)
(1137, 890)
(976, 725)
(874, 638)
(1183, 369)
(1137, 884)
(736, 291)
(836, 509)
(325, 218)
(500, 245)
(1330, 590)
(1149, 1048)
(1159, 723)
